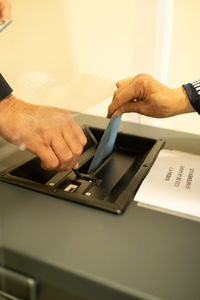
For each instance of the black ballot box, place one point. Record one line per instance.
(110, 187)
(56, 244)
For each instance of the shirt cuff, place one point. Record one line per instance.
(193, 92)
(5, 89)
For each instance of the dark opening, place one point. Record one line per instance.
(33, 171)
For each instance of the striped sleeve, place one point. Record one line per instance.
(5, 89)
(193, 92)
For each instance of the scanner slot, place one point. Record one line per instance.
(71, 187)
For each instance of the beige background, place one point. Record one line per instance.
(112, 39)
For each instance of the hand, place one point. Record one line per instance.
(5, 10)
(144, 95)
(48, 132)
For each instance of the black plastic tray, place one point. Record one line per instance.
(111, 187)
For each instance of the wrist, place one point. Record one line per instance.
(7, 108)
(5, 105)
(184, 104)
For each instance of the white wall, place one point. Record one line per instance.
(103, 39)
(37, 40)
(68, 37)
(184, 64)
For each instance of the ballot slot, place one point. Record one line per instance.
(110, 187)
(84, 168)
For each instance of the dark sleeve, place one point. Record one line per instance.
(193, 92)
(5, 89)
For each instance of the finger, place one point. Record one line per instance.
(134, 106)
(74, 145)
(76, 166)
(49, 160)
(134, 90)
(63, 153)
(75, 140)
(141, 107)
(120, 85)
(123, 82)
(79, 133)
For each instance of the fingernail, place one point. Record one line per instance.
(76, 166)
(116, 114)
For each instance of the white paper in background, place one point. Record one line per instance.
(78, 95)
(173, 184)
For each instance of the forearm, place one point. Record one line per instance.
(9, 107)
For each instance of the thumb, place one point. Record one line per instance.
(132, 106)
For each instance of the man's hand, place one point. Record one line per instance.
(144, 95)
(48, 132)
(5, 10)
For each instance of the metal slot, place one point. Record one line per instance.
(71, 187)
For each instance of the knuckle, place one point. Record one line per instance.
(78, 150)
(64, 167)
(51, 164)
(68, 157)
(143, 78)
(144, 81)
(65, 159)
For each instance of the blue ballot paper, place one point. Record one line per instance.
(106, 144)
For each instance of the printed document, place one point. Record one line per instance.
(173, 184)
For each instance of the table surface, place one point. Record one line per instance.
(142, 253)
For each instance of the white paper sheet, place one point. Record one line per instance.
(173, 184)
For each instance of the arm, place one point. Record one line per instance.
(48, 132)
(145, 95)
